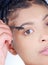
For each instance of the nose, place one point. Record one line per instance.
(44, 38)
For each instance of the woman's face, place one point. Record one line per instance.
(31, 43)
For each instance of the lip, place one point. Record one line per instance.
(44, 51)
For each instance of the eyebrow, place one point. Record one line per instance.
(45, 17)
(27, 23)
(21, 26)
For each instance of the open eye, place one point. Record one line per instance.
(29, 31)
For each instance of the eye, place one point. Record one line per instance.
(28, 32)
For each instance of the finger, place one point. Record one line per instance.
(1, 21)
(6, 30)
(4, 37)
(4, 25)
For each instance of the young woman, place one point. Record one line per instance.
(28, 22)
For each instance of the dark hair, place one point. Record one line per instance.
(14, 4)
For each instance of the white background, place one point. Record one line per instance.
(14, 60)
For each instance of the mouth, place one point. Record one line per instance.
(44, 51)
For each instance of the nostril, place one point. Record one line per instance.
(43, 40)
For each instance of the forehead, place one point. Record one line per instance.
(32, 13)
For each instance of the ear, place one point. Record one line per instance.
(10, 48)
(7, 39)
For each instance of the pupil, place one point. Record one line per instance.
(28, 31)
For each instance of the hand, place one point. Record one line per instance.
(5, 37)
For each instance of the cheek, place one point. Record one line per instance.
(25, 44)
(27, 48)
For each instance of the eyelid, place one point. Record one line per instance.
(28, 28)
(45, 17)
(46, 21)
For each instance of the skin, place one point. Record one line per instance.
(29, 45)
(5, 39)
